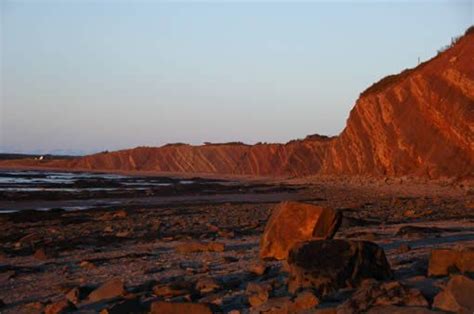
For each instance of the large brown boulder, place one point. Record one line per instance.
(293, 222)
(458, 296)
(328, 265)
(445, 261)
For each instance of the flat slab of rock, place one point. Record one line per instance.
(59, 307)
(111, 289)
(458, 296)
(445, 261)
(179, 308)
(173, 289)
(329, 265)
(293, 222)
(196, 246)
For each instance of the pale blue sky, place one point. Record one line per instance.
(85, 76)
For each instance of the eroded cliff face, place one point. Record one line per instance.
(295, 159)
(420, 122)
(417, 123)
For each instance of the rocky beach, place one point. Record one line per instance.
(206, 257)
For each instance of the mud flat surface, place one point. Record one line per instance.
(143, 241)
(53, 190)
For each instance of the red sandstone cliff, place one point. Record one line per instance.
(419, 122)
(294, 158)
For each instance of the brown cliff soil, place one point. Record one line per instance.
(419, 123)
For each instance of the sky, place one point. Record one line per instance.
(79, 77)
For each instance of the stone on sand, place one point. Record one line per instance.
(393, 309)
(86, 265)
(59, 307)
(278, 305)
(111, 289)
(73, 295)
(329, 265)
(179, 308)
(372, 293)
(305, 300)
(120, 214)
(43, 254)
(445, 261)
(257, 293)
(195, 246)
(292, 222)
(173, 289)
(258, 268)
(458, 296)
(404, 248)
(206, 285)
(125, 306)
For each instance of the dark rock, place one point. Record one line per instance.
(6, 275)
(348, 222)
(226, 234)
(44, 254)
(392, 309)
(126, 306)
(173, 289)
(404, 248)
(206, 285)
(258, 268)
(74, 295)
(179, 308)
(305, 300)
(33, 307)
(230, 259)
(194, 246)
(327, 310)
(191, 265)
(59, 307)
(87, 265)
(372, 293)
(292, 222)
(427, 286)
(282, 305)
(417, 231)
(328, 265)
(120, 214)
(123, 234)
